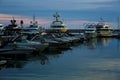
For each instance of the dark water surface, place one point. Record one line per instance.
(97, 59)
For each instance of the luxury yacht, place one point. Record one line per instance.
(12, 28)
(22, 41)
(37, 28)
(12, 48)
(8, 46)
(33, 29)
(57, 25)
(103, 30)
(90, 31)
(54, 42)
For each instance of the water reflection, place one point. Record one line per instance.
(94, 42)
(72, 64)
(91, 44)
(103, 41)
(43, 59)
(14, 62)
(20, 60)
(118, 45)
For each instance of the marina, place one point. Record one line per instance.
(36, 53)
(67, 40)
(97, 58)
(57, 37)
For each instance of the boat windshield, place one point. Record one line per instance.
(24, 41)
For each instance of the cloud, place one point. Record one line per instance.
(5, 18)
(80, 24)
(73, 24)
(62, 4)
(91, 1)
(76, 4)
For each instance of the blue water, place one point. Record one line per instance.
(97, 59)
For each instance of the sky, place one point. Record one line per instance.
(73, 12)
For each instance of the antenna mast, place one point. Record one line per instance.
(56, 16)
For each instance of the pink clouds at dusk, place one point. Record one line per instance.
(5, 18)
(71, 24)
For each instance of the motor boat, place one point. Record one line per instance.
(57, 25)
(90, 31)
(22, 41)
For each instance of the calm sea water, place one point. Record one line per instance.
(97, 59)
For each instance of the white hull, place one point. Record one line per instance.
(104, 33)
(2, 62)
(16, 50)
(103, 30)
(90, 31)
(39, 47)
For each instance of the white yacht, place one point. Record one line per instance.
(2, 62)
(54, 42)
(103, 30)
(13, 25)
(13, 28)
(37, 45)
(90, 31)
(33, 29)
(57, 25)
(12, 48)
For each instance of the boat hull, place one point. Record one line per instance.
(90, 35)
(17, 50)
(104, 34)
(3, 62)
(39, 47)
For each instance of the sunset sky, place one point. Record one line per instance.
(73, 12)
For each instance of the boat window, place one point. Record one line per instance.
(106, 29)
(99, 26)
(90, 27)
(57, 26)
(89, 30)
(106, 26)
